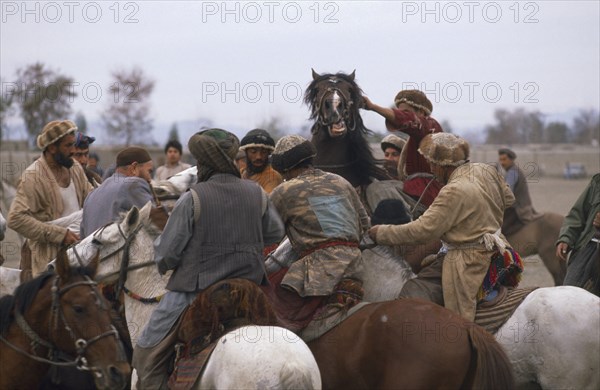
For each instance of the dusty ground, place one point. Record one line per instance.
(548, 194)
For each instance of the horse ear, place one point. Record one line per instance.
(94, 263)
(132, 218)
(352, 75)
(315, 75)
(62, 264)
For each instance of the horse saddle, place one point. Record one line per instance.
(491, 315)
(189, 366)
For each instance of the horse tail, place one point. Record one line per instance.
(295, 376)
(490, 367)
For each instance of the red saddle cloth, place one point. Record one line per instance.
(293, 311)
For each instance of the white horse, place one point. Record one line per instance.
(552, 338)
(249, 357)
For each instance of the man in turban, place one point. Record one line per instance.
(324, 221)
(216, 231)
(467, 216)
(128, 187)
(53, 187)
(412, 116)
(258, 145)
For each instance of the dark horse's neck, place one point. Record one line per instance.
(348, 156)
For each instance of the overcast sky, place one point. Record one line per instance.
(241, 62)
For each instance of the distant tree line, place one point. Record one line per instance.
(41, 94)
(524, 127)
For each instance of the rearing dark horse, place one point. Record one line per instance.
(339, 133)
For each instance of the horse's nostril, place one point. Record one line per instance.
(116, 375)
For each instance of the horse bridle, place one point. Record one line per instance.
(125, 267)
(345, 113)
(55, 356)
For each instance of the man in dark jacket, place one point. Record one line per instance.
(580, 235)
(217, 231)
(522, 211)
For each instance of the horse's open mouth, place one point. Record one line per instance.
(337, 129)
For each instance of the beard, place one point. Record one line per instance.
(253, 169)
(64, 161)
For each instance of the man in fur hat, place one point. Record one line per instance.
(52, 188)
(392, 146)
(324, 221)
(217, 231)
(412, 116)
(258, 146)
(467, 216)
(128, 187)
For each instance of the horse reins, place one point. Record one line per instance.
(54, 354)
(125, 267)
(345, 112)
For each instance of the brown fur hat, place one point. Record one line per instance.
(416, 99)
(54, 131)
(444, 149)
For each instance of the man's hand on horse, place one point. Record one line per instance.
(561, 250)
(366, 103)
(373, 232)
(596, 221)
(70, 238)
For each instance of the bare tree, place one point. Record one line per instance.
(174, 133)
(557, 133)
(6, 109)
(274, 127)
(586, 126)
(517, 127)
(81, 123)
(128, 114)
(43, 95)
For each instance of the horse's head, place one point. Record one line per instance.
(81, 324)
(109, 241)
(334, 101)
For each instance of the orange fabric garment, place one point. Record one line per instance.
(267, 179)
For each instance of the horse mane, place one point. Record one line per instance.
(225, 305)
(25, 294)
(365, 165)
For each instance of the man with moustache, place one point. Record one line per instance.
(129, 186)
(258, 146)
(53, 187)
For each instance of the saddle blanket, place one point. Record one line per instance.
(492, 315)
(327, 319)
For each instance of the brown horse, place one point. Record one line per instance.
(539, 237)
(59, 320)
(410, 344)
